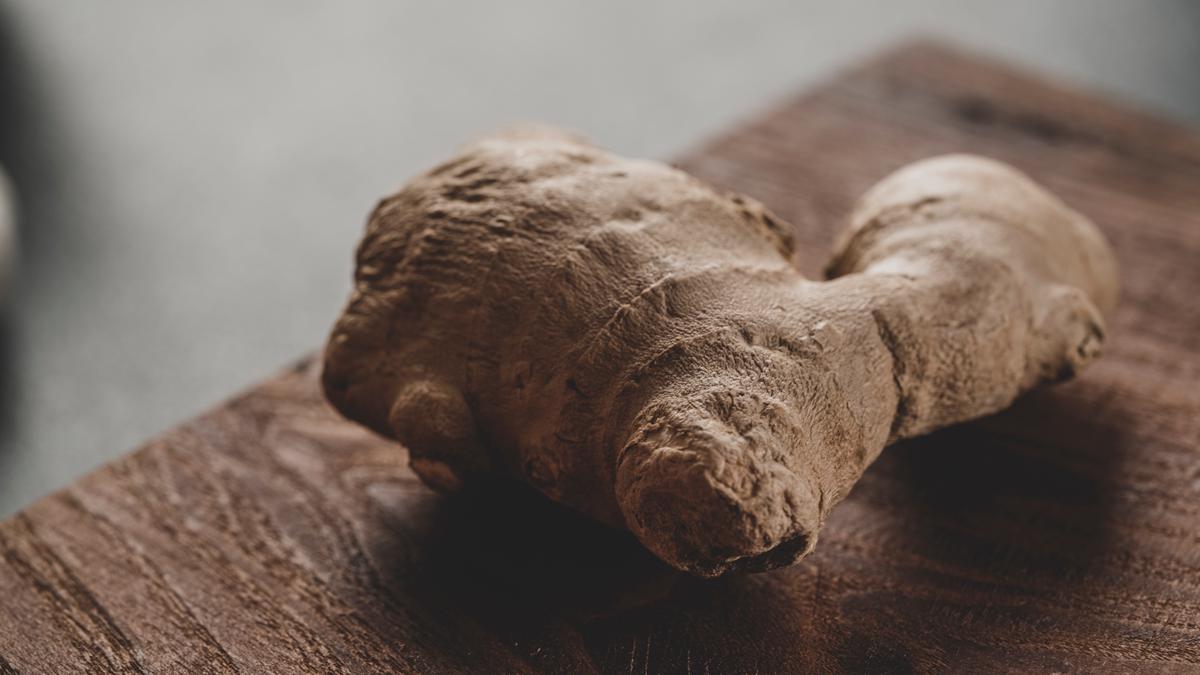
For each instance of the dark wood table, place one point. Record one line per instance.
(1062, 535)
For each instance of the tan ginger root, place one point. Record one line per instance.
(638, 346)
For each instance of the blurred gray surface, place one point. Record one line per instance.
(194, 176)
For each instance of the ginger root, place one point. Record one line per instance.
(638, 346)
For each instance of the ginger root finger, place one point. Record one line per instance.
(638, 346)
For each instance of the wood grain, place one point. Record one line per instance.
(1061, 535)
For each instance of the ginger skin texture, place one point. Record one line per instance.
(638, 346)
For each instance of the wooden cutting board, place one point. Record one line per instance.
(1062, 535)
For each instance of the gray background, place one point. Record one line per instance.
(193, 176)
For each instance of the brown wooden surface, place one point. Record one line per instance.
(1061, 535)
